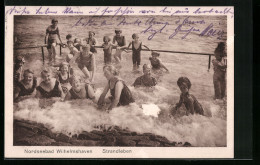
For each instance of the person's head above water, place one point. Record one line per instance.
(28, 75)
(69, 37)
(64, 67)
(75, 82)
(106, 39)
(118, 32)
(46, 75)
(19, 60)
(70, 43)
(54, 22)
(91, 34)
(184, 84)
(135, 36)
(147, 69)
(110, 71)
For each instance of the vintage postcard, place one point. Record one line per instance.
(119, 82)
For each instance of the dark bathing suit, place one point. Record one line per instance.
(74, 95)
(55, 92)
(120, 40)
(24, 91)
(136, 57)
(155, 63)
(63, 81)
(126, 96)
(51, 40)
(92, 47)
(140, 81)
(197, 106)
(65, 89)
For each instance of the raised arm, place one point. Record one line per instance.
(118, 90)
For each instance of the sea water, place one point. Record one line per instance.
(72, 117)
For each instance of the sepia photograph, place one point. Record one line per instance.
(137, 79)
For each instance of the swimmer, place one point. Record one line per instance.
(191, 103)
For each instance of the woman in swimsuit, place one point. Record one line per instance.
(136, 50)
(79, 91)
(121, 43)
(191, 103)
(86, 62)
(63, 76)
(51, 39)
(49, 87)
(120, 93)
(25, 87)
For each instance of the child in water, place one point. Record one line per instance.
(107, 48)
(136, 51)
(79, 91)
(73, 51)
(92, 41)
(63, 76)
(156, 62)
(220, 66)
(191, 103)
(86, 62)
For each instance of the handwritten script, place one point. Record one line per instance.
(150, 25)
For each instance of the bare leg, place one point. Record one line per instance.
(118, 56)
(53, 49)
(50, 55)
(86, 72)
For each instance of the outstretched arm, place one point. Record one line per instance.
(163, 66)
(146, 47)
